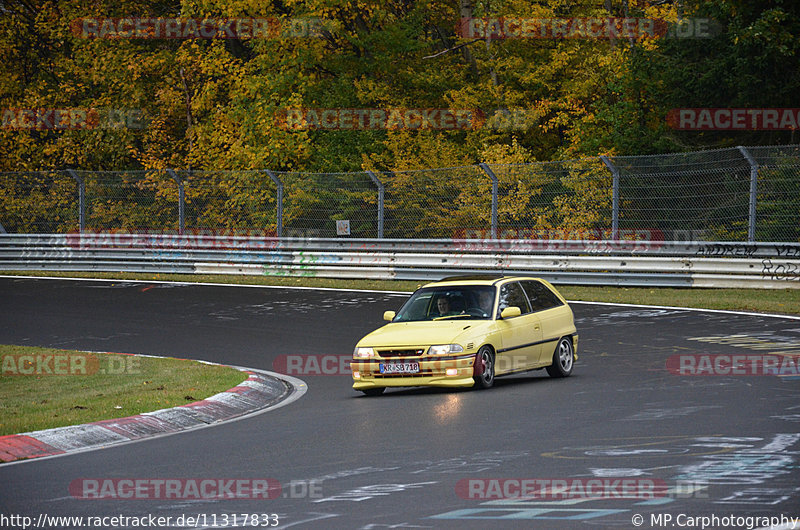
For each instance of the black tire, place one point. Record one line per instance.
(563, 359)
(374, 391)
(486, 378)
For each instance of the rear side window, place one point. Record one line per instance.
(511, 294)
(540, 296)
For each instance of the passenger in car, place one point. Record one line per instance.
(486, 301)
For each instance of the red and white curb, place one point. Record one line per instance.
(261, 391)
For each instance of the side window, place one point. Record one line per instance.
(540, 296)
(511, 294)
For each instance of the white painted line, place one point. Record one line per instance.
(696, 309)
(209, 284)
(404, 293)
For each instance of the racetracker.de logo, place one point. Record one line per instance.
(603, 28)
(195, 28)
(589, 240)
(308, 364)
(733, 365)
(174, 488)
(72, 119)
(560, 488)
(190, 239)
(76, 364)
(372, 119)
(41, 364)
(741, 119)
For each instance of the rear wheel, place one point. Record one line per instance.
(563, 358)
(484, 368)
(374, 391)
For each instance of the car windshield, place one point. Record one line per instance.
(467, 302)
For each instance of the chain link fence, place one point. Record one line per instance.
(129, 200)
(734, 194)
(702, 195)
(228, 201)
(437, 203)
(314, 202)
(565, 200)
(778, 189)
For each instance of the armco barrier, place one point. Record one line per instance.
(620, 263)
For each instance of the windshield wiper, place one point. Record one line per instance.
(455, 316)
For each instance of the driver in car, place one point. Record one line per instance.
(443, 305)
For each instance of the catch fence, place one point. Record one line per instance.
(740, 194)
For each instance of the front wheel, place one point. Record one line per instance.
(484, 368)
(374, 391)
(563, 358)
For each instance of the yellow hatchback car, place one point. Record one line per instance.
(464, 331)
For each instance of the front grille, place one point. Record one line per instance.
(401, 353)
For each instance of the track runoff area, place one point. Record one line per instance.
(671, 417)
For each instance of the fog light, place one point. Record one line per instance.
(356, 375)
(451, 371)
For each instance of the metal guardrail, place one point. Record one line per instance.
(618, 263)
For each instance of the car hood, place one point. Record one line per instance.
(424, 333)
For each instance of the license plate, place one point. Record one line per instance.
(399, 368)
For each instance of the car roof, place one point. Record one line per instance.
(479, 279)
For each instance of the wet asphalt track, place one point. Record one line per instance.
(395, 461)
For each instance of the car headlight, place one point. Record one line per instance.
(444, 349)
(363, 353)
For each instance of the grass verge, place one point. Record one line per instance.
(87, 387)
(781, 301)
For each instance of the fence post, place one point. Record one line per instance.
(486, 169)
(181, 214)
(614, 197)
(380, 186)
(279, 200)
(751, 222)
(81, 199)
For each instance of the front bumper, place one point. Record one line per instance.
(432, 372)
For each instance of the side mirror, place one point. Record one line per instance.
(510, 312)
(389, 315)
